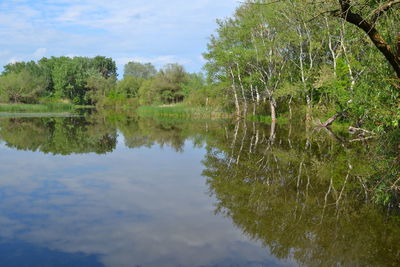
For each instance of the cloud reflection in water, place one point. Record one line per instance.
(144, 206)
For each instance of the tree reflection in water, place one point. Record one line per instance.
(306, 195)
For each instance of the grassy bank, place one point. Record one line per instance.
(266, 119)
(182, 111)
(48, 107)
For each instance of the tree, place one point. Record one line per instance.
(97, 87)
(130, 85)
(365, 14)
(166, 87)
(148, 93)
(169, 82)
(281, 52)
(247, 55)
(22, 87)
(139, 70)
(105, 66)
(70, 75)
(373, 11)
(195, 89)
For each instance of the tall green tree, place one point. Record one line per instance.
(166, 87)
(139, 70)
(22, 87)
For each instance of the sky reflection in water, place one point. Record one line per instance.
(141, 206)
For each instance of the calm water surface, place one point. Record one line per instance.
(119, 191)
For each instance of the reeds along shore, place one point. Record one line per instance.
(53, 107)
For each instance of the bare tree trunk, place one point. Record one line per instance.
(303, 77)
(342, 33)
(330, 120)
(233, 144)
(272, 104)
(330, 45)
(243, 93)
(242, 144)
(237, 106)
(258, 96)
(272, 134)
(253, 99)
(308, 109)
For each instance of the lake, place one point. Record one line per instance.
(115, 190)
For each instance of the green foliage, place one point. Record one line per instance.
(335, 86)
(70, 76)
(48, 107)
(78, 79)
(288, 89)
(22, 86)
(18, 67)
(264, 58)
(147, 93)
(117, 101)
(98, 87)
(130, 85)
(139, 70)
(103, 65)
(181, 111)
(290, 51)
(165, 88)
(198, 93)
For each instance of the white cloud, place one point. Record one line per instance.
(149, 30)
(39, 53)
(73, 13)
(13, 60)
(70, 55)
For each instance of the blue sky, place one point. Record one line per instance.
(156, 31)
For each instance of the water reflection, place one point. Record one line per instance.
(304, 197)
(299, 198)
(58, 135)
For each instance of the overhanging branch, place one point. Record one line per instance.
(393, 57)
(382, 9)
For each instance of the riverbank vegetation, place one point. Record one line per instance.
(182, 111)
(48, 107)
(66, 81)
(266, 60)
(274, 54)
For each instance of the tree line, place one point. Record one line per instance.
(93, 81)
(55, 77)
